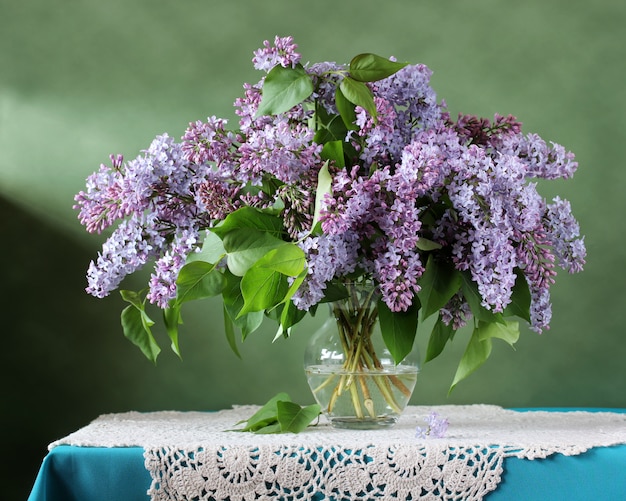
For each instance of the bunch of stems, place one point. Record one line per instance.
(356, 318)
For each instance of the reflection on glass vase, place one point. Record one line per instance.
(350, 371)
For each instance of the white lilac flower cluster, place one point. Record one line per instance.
(415, 182)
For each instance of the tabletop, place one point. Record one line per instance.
(488, 452)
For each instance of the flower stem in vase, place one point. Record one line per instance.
(359, 385)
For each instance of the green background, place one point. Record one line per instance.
(80, 79)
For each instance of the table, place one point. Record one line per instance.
(110, 473)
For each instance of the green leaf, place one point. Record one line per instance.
(479, 347)
(398, 329)
(266, 415)
(507, 331)
(229, 330)
(172, 319)
(271, 428)
(293, 418)
(290, 316)
(262, 288)
(346, 110)
(265, 284)
(520, 298)
(426, 245)
(324, 187)
(233, 303)
(212, 250)
(198, 280)
(333, 150)
(439, 336)
(440, 282)
(370, 67)
(476, 353)
(283, 89)
(250, 218)
(334, 130)
(133, 298)
(334, 292)
(287, 259)
(136, 326)
(246, 246)
(359, 94)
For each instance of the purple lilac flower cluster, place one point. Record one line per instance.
(412, 175)
(437, 427)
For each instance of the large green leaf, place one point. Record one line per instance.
(334, 130)
(172, 319)
(283, 89)
(370, 67)
(233, 303)
(289, 316)
(439, 283)
(439, 336)
(479, 346)
(249, 217)
(198, 280)
(333, 150)
(345, 109)
(262, 288)
(212, 250)
(265, 284)
(137, 326)
(293, 418)
(508, 331)
(359, 94)
(398, 329)
(246, 246)
(476, 353)
(287, 259)
(229, 330)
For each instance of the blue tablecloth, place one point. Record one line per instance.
(108, 474)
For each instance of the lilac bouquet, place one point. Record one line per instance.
(339, 173)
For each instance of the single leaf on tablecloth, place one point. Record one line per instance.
(293, 418)
(280, 415)
(266, 415)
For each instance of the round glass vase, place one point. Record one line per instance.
(351, 372)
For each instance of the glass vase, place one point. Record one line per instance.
(349, 369)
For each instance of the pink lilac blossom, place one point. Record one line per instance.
(456, 313)
(101, 205)
(153, 193)
(166, 268)
(563, 233)
(283, 52)
(328, 256)
(128, 249)
(281, 150)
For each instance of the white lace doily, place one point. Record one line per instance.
(192, 455)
